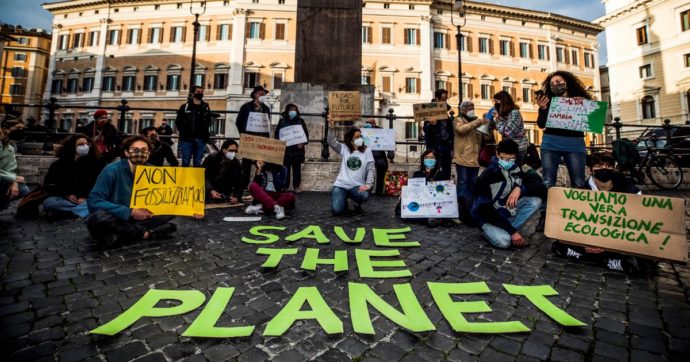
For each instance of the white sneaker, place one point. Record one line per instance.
(280, 212)
(254, 209)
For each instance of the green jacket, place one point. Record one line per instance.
(8, 164)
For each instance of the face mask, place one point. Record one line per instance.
(429, 162)
(292, 114)
(16, 135)
(230, 155)
(604, 175)
(359, 142)
(470, 114)
(506, 164)
(367, 125)
(198, 96)
(83, 150)
(138, 158)
(154, 138)
(262, 99)
(559, 89)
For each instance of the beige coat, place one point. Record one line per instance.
(467, 142)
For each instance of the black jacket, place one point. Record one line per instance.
(73, 177)
(243, 116)
(162, 152)
(292, 152)
(193, 121)
(434, 175)
(223, 175)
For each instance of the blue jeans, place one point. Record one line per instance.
(195, 147)
(57, 203)
(340, 195)
(466, 178)
(525, 208)
(575, 161)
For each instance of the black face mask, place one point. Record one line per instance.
(604, 175)
(199, 96)
(16, 135)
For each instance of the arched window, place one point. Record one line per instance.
(648, 108)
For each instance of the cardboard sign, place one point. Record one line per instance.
(432, 200)
(262, 148)
(634, 224)
(258, 122)
(344, 106)
(577, 114)
(169, 190)
(379, 139)
(430, 111)
(293, 135)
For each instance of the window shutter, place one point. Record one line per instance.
(407, 37)
(491, 46)
(419, 85)
(229, 31)
(531, 50)
(566, 56)
(447, 45)
(469, 43)
(548, 53)
(512, 48)
(160, 35)
(149, 36)
(369, 35)
(184, 33)
(418, 36)
(208, 33)
(449, 88)
(386, 84)
(470, 91)
(218, 31)
(172, 34)
(262, 31)
(248, 31)
(513, 93)
(492, 91)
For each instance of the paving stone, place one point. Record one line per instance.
(221, 352)
(127, 352)
(537, 350)
(388, 351)
(565, 355)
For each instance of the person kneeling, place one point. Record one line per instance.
(501, 205)
(111, 220)
(268, 191)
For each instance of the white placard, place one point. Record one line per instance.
(293, 135)
(432, 200)
(379, 139)
(258, 122)
(416, 182)
(242, 218)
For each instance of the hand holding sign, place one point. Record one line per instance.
(167, 191)
(344, 106)
(577, 114)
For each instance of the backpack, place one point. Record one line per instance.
(626, 154)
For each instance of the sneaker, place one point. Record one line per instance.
(564, 251)
(107, 241)
(163, 231)
(432, 223)
(254, 209)
(628, 265)
(280, 212)
(615, 264)
(358, 208)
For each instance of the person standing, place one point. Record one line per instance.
(104, 135)
(468, 142)
(295, 154)
(438, 136)
(254, 118)
(380, 162)
(193, 121)
(508, 122)
(160, 151)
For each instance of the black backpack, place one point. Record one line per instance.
(626, 154)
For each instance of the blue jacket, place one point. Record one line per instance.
(492, 188)
(113, 190)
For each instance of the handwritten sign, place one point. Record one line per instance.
(344, 106)
(635, 224)
(431, 200)
(262, 148)
(379, 139)
(169, 190)
(293, 135)
(430, 111)
(258, 122)
(577, 114)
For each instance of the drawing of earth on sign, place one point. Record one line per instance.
(413, 206)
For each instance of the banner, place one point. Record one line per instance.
(344, 106)
(430, 200)
(293, 135)
(577, 114)
(379, 139)
(169, 190)
(634, 224)
(261, 148)
(258, 122)
(430, 111)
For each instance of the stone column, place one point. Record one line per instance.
(239, 24)
(52, 61)
(426, 63)
(100, 60)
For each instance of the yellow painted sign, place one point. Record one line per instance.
(169, 190)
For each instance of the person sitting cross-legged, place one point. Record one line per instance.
(501, 203)
(111, 220)
(268, 190)
(223, 171)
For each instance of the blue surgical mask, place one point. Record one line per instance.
(367, 125)
(506, 164)
(292, 114)
(429, 162)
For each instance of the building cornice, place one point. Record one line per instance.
(624, 11)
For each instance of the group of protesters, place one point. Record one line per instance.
(88, 182)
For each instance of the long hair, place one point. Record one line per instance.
(421, 161)
(507, 103)
(69, 147)
(575, 86)
(349, 138)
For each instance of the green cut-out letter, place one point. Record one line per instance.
(537, 295)
(359, 235)
(365, 265)
(146, 307)
(383, 237)
(311, 259)
(258, 231)
(274, 255)
(309, 232)
(412, 316)
(292, 312)
(452, 311)
(204, 324)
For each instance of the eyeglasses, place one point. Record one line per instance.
(139, 150)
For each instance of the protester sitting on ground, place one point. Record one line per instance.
(223, 172)
(165, 130)
(430, 170)
(604, 178)
(356, 176)
(502, 204)
(111, 221)
(71, 177)
(268, 191)
(295, 154)
(104, 135)
(12, 186)
(160, 151)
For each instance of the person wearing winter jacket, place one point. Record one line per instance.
(294, 154)
(193, 122)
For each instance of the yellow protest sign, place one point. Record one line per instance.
(344, 106)
(645, 225)
(169, 190)
(430, 111)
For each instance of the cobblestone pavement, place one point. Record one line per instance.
(57, 285)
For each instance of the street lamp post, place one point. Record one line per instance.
(195, 39)
(458, 6)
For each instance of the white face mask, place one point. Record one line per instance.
(230, 155)
(359, 142)
(83, 150)
(470, 114)
(262, 99)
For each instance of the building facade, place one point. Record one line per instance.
(648, 60)
(104, 51)
(24, 68)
